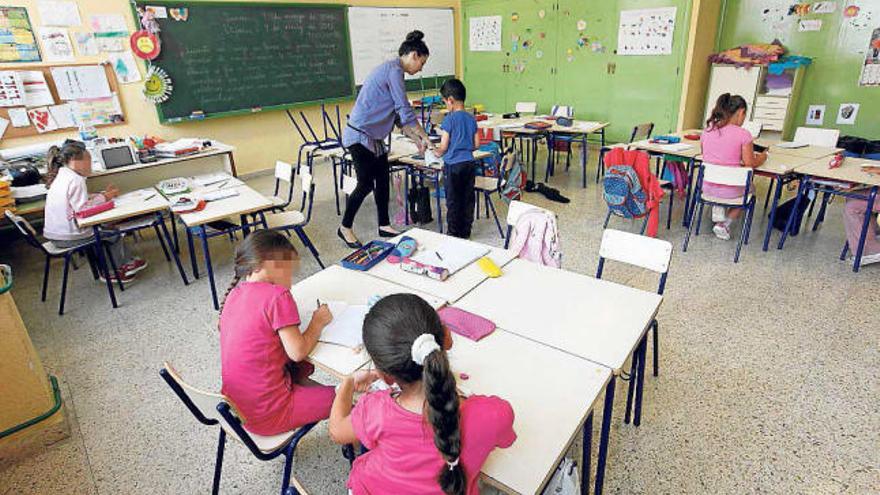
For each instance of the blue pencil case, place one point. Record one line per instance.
(666, 139)
(366, 257)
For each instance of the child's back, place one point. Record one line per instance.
(403, 457)
(461, 126)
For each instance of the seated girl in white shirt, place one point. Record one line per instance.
(69, 166)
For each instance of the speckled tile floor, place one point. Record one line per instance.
(768, 369)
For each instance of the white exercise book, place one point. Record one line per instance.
(792, 145)
(453, 254)
(346, 328)
(675, 147)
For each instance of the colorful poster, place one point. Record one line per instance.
(11, 89)
(56, 44)
(36, 90)
(485, 34)
(871, 70)
(17, 42)
(646, 31)
(99, 111)
(42, 119)
(85, 44)
(126, 68)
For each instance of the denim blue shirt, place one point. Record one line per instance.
(381, 101)
(461, 127)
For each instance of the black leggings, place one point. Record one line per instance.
(372, 176)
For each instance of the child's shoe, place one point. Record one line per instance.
(134, 266)
(722, 231)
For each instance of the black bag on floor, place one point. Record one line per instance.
(783, 211)
(420, 205)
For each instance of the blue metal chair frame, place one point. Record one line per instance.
(807, 185)
(777, 185)
(300, 229)
(288, 450)
(748, 204)
(315, 143)
(632, 137)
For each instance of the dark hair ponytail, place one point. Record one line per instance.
(256, 248)
(725, 107)
(414, 43)
(60, 157)
(390, 329)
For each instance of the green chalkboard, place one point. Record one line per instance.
(232, 58)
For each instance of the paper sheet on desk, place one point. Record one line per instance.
(453, 254)
(675, 147)
(346, 328)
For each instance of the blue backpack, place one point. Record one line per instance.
(623, 192)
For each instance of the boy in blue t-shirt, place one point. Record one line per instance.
(458, 140)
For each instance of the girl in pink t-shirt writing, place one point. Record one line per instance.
(726, 143)
(423, 439)
(262, 349)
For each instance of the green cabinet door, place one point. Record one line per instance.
(484, 72)
(530, 34)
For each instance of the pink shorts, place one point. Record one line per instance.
(307, 404)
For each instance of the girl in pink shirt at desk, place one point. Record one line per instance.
(726, 143)
(424, 439)
(262, 349)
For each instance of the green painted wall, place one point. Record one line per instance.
(838, 51)
(639, 89)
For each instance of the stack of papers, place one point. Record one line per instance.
(453, 254)
(208, 179)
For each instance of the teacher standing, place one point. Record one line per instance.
(381, 103)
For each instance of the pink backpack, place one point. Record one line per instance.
(536, 238)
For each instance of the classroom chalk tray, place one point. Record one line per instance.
(366, 257)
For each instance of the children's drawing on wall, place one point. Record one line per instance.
(778, 19)
(800, 9)
(858, 18)
(847, 113)
(824, 7)
(485, 34)
(871, 70)
(816, 115)
(646, 31)
(810, 25)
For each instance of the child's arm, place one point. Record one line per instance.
(750, 158)
(441, 148)
(341, 428)
(477, 140)
(298, 345)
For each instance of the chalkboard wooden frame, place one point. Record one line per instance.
(247, 111)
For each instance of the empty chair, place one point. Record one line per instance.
(484, 187)
(650, 254)
(530, 107)
(562, 142)
(639, 133)
(562, 111)
(296, 220)
(50, 251)
(284, 173)
(729, 176)
(215, 409)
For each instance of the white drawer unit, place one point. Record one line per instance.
(771, 124)
(771, 102)
(769, 113)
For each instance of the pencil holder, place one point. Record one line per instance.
(366, 257)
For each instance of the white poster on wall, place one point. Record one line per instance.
(485, 34)
(847, 113)
(816, 115)
(646, 31)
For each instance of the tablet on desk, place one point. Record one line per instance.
(116, 155)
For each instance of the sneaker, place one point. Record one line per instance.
(134, 266)
(126, 279)
(867, 259)
(722, 231)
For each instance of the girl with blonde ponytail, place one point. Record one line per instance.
(424, 438)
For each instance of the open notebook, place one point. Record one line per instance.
(452, 254)
(346, 328)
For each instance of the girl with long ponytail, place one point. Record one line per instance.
(422, 437)
(725, 142)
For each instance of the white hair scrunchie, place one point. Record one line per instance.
(425, 344)
(452, 464)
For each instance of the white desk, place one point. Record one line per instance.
(218, 158)
(340, 284)
(547, 418)
(587, 317)
(451, 289)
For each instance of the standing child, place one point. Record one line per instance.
(458, 140)
(726, 143)
(262, 350)
(423, 439)
(69, 166)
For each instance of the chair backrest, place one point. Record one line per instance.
(308, 194)
(754, 128)
(516, 210)
(562, 111)
(526, 107)
(817, 137)
(26, 229)
(726, 175)
(283, 171)
(637, 250)
(641, 131)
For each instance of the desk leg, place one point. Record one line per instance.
(439, 207)
(103, 265)
(585, 155)
(587, 451)
(789, 224)
(777, 193)
(173, 252)
(173, 222)
(406, 178)
(336, 183)
(204, 235)
(688, 202)
(640, 380)
(603, 436)
(192, 253)
(869, 210)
